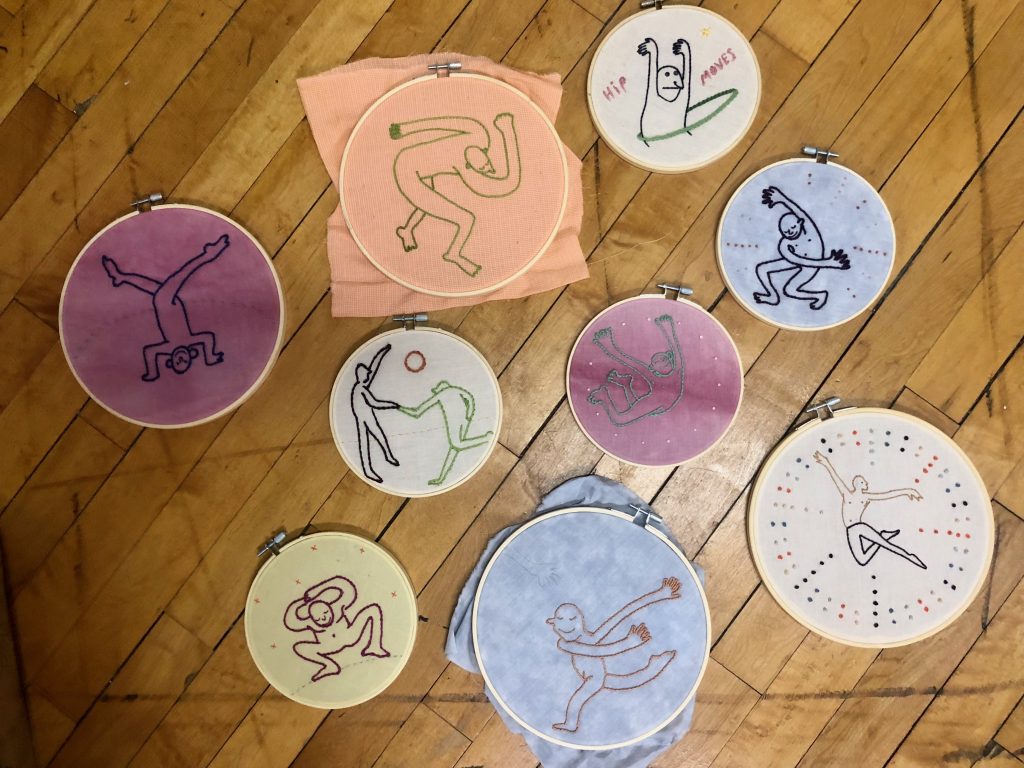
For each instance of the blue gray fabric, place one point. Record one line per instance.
(583, 491)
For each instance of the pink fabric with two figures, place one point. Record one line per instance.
(334, 103)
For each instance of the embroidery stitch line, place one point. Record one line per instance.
(647, 389)
(468, 158)
(322, 610)
(179, 343)
(588, 650)
(856, 500)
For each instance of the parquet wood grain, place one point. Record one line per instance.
(127, 553)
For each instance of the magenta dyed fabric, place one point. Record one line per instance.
(171, 317)
(654, 382)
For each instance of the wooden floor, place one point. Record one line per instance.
(128, 553)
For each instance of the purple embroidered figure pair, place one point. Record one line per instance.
(322, 610)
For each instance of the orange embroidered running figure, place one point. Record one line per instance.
(590, 648)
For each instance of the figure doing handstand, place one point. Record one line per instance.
(801, 252)
(180, 344)
(865, 541)
(322, 611)
(641, 388)
(457, 147)
(590, 648)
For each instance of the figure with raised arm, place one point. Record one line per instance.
(589, 649)
(640, 389)
(864, 540)
(364, 410)
(322, 610)
(667, 97)
(458, 407)
(801, 255)
(180, 345)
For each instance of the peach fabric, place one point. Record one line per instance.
(334, 102)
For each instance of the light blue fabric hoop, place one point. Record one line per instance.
(600, 492)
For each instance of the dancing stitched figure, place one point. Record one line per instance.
(179, 344)
(458, 147)
(801, 252)
(589, 649)
(864, 540)
(322, 611)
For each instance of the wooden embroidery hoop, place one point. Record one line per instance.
(751, 309)
(809, 426)
(680, 299)
(140, 211)
(357, 471)
(629, 520)
(541, 251)
(617, 148)
(329, 536)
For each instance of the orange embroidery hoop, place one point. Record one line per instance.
(373, 180)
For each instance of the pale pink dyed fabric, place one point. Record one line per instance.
(334, 102)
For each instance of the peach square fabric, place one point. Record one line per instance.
(335, 101)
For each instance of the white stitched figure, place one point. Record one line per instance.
(589, 649)
(864, 540)
(667, 95)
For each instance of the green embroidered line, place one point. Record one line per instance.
(732, 93)
(448, 396)
(468, 159)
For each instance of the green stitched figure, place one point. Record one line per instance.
(458, 147)
(457, 408)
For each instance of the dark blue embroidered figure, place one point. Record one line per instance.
(364, 410)
(180, 344)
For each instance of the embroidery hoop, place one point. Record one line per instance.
(752, 308)
(144, 212)
(691, 304)
(621, 151)
(339, 382)
(630, 521)
(529, 264)
(810, 427)
(281, 558)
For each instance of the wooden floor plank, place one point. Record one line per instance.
(91, 53)
(35, 125)
(90, 151)
(29, 41)
(943, 735)
(135, 701)
(870, 724)
(128, 552)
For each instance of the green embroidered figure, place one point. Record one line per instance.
(458, 407)
(459, 147)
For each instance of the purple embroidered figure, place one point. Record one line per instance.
(180, 344)
(589, 649)
(322, 611)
